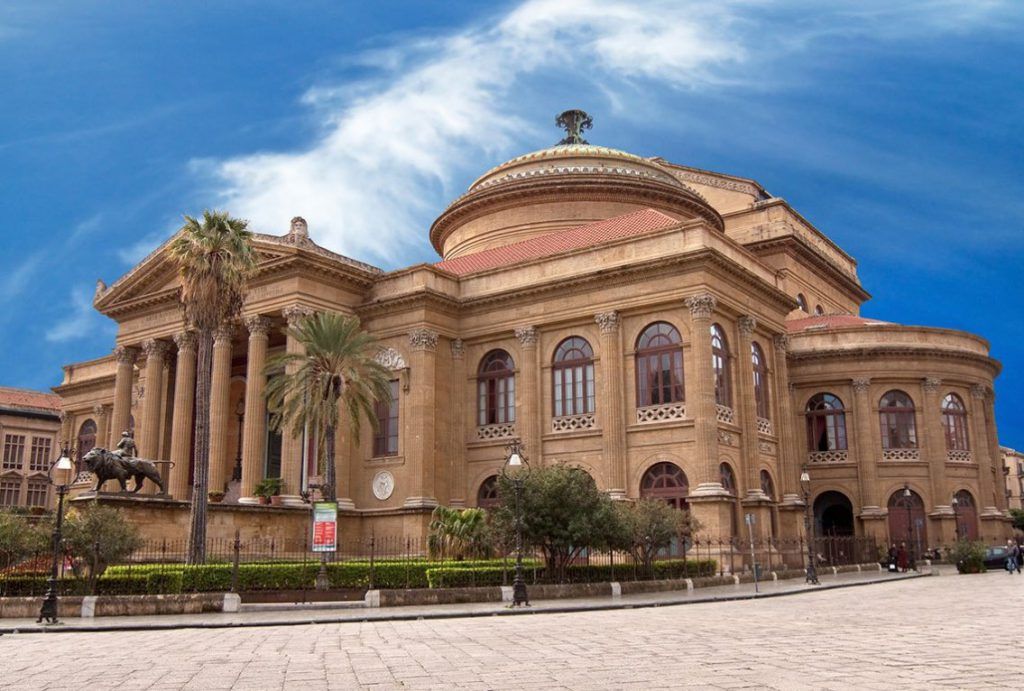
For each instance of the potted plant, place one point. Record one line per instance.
(216, 497)
(269, 490)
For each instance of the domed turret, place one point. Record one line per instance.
(564, 186)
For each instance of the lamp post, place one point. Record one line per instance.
(59, 476)
(956, 516)
(516, 470)
(805, 485)
(236, 474)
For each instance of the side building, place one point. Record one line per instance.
(673, 332)
(29, 426)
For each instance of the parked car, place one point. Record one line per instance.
(995, 557)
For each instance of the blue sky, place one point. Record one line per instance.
(896, 131)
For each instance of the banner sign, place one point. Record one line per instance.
(325, 526)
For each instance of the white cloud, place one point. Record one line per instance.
(81, 321)
(16, 279)
(389, 149)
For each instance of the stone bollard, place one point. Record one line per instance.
(232, 603)
(88, 607)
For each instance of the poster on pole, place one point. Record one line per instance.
(325, 526)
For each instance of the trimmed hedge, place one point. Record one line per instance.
(491, 575)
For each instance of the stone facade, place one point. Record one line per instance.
(629, 264)
(1013, 474)
(29, 425)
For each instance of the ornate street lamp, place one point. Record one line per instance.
(60, 475)
(956, 515)
(805, 484)
(236, 473)
(907, 501)
(516, 470)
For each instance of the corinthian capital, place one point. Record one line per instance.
(293, 314)
(781, 343)
(527, 335)
(861, 385)
(257, 325)
(746, 325)
(608, 322)
(155, 349)
(126, 355)
(931, 384)
(186, 340)
(423, 339)
(979, 391)
(701, 306)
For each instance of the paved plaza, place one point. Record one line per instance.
(947, 631)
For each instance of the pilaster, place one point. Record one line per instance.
(789, 448)
(748, 415)
(420, 447)
(702, 394)
(979, 431)
(934, 445)
(457, 428)
(527, 383)
(613, 425)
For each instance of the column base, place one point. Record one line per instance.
(618, 495)
(942, 512)
(792, 501)
(420, 503)
(755, 497)
(292, 500)
(457, 503)
(249, 501)
(346, 504)
(711, 490)
(991, 512)
(869, 513)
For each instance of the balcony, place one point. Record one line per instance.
(661, 413)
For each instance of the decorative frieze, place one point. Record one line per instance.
(901, 454)
(573, 423)
(488, 432)
(766, 447)
(727, 438)
(423, 339)
(390, 358)
(608, 322)
(527, 335)
(725, 413)
(833, 456)
(661, 413)
(701, 306)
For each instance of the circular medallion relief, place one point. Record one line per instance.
(383, 485)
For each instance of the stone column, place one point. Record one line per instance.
(102, 428)
(710, 502)
(613, 423)
(791, 452)
(156, 359)
(421, 442)
(457, 428)
(987, 502)
(254, 430)
(123, 381)
(528, 418)
(933, 446)
(867, 450)
(220, 413)
(182, 424)
(291, 445)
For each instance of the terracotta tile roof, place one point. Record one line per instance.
(830, 321)
(26, 399)
(627, 225)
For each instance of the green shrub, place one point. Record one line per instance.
(163, 582)
(968, 556)
(36, 586)
(446, 577)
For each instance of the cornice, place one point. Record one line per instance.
(863, 352)
(420, 298)
(808, 252)
(83, 386)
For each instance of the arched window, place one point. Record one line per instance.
(954, 422)
(728, 478)
(760, 379)
(496, 389)
(665, 481)
(659, 365)
(86, 438)
(720, 366)
(487, 495)
(573, 378)
(801, 301)
(819, 310)
(896, 416)
(826, 423)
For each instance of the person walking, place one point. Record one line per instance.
(892, 558)
(1012, 557)
(902, 558)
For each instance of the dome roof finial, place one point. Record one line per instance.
(574, 122)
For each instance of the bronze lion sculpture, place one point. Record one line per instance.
(106, 465)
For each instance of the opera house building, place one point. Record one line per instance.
(674, 332)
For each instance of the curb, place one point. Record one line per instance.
(560, 609)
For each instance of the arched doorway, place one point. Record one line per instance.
(86, 439)
(833, 515)
(665, 481)
(966, 515)
(907, 521)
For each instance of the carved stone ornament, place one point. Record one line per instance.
(608, 322)
(383, 485)
(390, 358)
(185, 340)
(299, 228)
(574, 122)
(257, 325)
(701, 306)
(458, 349)
(979, 391)
(155, 349)
(125, 355)
(98, 410)
(223, 333)
(527, 335)
(423, 339)
(101, 288)
(781, 343)
(746, 325)
(861, 385)
(294, 313)
(932, 384)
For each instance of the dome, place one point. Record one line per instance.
(561, 187)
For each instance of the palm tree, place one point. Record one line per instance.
(337, 374)
(214, 258)
(458, 533)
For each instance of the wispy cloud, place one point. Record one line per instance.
(389, 149)
(16, 279)
(81, 321)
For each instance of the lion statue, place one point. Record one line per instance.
(106, 465)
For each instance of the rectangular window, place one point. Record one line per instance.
(14, 451)
(37, 493)
(40, 458)
(9, 490)
(385, 439)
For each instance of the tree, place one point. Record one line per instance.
(214, 258)
(459, 533)
(649, 526)
(563, 514)
(19, 539)
(1017, 516)
(337, 374)
(96, 536)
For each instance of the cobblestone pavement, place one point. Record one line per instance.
(947, 631)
